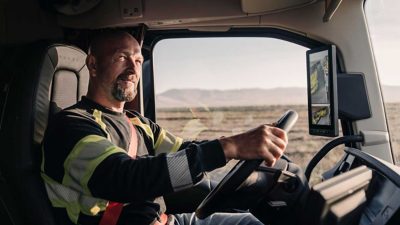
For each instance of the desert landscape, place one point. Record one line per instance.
(209, 123)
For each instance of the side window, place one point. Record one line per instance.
(384, 23)
(212, 87)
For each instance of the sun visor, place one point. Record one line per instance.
(264, 6)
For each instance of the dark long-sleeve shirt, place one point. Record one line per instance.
(86, 165)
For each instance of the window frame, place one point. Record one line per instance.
(394, 152)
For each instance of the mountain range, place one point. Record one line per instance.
(247, 97)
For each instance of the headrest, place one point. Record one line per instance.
(63, 79)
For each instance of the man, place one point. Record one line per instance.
(101, 167)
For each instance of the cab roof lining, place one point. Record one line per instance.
(39, 23)
(157, 14)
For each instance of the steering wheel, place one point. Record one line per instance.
(238, 174)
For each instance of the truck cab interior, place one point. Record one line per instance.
(43, 47)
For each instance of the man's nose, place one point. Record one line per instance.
(131, 62)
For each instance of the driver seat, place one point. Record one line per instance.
(41, 80)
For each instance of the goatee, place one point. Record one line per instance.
(123, 94)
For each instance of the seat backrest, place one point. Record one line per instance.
(43, 79)
(63, 80)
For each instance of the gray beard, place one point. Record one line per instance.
(123, 95)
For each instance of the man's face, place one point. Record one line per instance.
(119, 67)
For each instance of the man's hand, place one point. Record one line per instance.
(264, 142)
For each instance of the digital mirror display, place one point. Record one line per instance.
(322, 91)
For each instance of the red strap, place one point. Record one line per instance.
(162, 220)
(114, 209)
(112, 213)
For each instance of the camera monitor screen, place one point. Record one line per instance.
(322, 91)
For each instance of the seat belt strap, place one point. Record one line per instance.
(112, 213)
(114, 209)
(161, 220)
(133, 145)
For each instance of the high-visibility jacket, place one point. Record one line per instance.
(85, 164)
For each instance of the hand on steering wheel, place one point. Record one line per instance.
(238, 174)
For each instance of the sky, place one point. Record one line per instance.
(222, 63)
(384, 26)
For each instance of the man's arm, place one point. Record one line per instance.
(121, 178)
(148, 177)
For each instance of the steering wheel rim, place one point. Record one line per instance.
(238, 174)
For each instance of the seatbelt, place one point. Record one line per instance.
(133, 145)
(114, 209)
(112, 213)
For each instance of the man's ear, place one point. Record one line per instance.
(91, 65)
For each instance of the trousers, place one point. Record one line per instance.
(216, 218)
